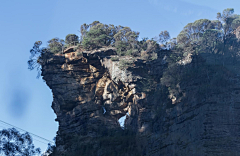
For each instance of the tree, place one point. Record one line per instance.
(172, 43)
(83, 31)
(164, 36)
(183, 38)
(50, 150)
(96, 35)
(38, 57)
(226, 18)
(71, 39)
(13, 143)
(143, 44)
(55, 45)
(225, 15)
(236, 22)
(193, 32)
(126, 39)
(211, 40)
(95, 38)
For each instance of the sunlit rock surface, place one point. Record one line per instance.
(91, 93)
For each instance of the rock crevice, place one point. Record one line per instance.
(91, 93)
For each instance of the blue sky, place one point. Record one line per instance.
(26, 101)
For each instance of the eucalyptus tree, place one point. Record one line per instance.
(71, 39)
(38, 56)
(126, 39)
(164, 37)
(226, 18)
(230, 22)
(13, 143)
(211, 41)
(98, 35)
(83, 30)
(55, 45)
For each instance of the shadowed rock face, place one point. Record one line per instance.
(160, 123)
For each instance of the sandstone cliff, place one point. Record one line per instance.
(171, 110)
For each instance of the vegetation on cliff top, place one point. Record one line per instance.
(218, 36)
(217, 39)
(214, 42)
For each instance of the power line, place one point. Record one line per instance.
(27, 132)
(4, 127)
(40, 141)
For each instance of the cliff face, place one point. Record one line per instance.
(91, 92)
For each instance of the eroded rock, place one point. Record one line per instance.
(91, 92)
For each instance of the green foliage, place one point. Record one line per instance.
(83, 30)
(152, 46)
(216, 36)
(154, 56)
(121, 47)
(50, 150)
(38, 57)
(164, 36)
(71, 39)
(201, 36)
(211, 41)
(55, 45)
(225, 15)
(192, 32)
(125, 63)
(236, 22)
(129, 52)
(132, 52)
(79, 54)
(143, 44)
(96, 38)
(97, 35)
(114, 58)
(12, 142)
(126, 40)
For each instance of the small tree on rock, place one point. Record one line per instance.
(71, 39)
(164, 36)
(55, 45)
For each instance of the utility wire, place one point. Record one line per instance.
(27, 132)
(4, 127)
(40, 141)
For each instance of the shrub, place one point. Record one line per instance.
(123, 64)
(129, 52)
(115, 59)
(154, 56)
(121, 47)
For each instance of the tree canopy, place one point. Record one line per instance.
(55, 45)
(71, 39)
(201, 36)
(13, 143)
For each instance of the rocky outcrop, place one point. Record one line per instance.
(91, 93)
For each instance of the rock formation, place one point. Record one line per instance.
(91, 92)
